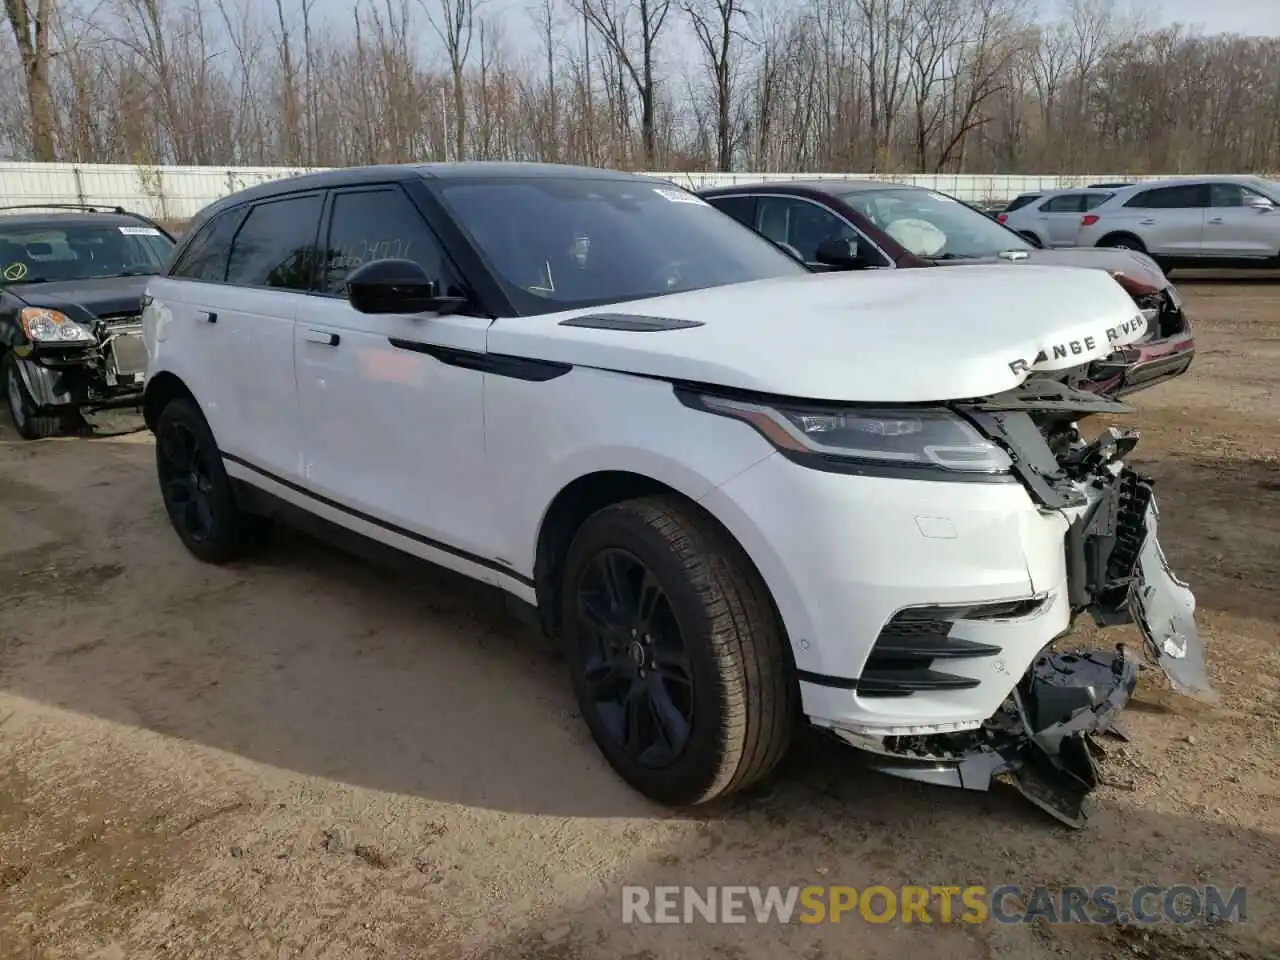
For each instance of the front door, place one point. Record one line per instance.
(392, 433)
(1233, 229)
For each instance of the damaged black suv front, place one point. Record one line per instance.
(1048, 736)
(72, 282)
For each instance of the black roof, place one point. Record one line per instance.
(471, 169)
(59, 219)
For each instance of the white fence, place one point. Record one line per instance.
(176, 193)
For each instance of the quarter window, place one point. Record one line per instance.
(375, 225)
(276, 245)
(742, 209)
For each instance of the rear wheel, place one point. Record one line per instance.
(196, 490)
(1122, 241)
(677, 657)
(26, 416)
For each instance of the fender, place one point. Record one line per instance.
(43, 384)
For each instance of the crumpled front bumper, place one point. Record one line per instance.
(1047, 735)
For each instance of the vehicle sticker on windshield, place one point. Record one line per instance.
(140, 231)
(15, 271)
(679, 196)
(941, 197)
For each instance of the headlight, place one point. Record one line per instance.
(52, 326)
(929, 439)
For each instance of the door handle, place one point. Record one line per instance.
(1215, 219)
(322, 336)
(209, 316)
(1147, 222)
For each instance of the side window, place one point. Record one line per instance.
(1229, 194)
(1021, 201)
(803, 225)
(1064, 203)
(276, 244)
(1092, 200)
(1189, 197)
(373, 225)
(206, 256)
(742, 209)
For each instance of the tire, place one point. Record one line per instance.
(197, 493)
(27, 420)
(1122, 241)
(716, 650)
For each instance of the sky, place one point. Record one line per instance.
(1258, 17)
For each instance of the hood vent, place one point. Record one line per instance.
(630, 323)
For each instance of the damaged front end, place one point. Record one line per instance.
(101, 372)
(1047, 735)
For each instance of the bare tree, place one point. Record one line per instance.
(455, 25)
(717, 25)
(32, 25)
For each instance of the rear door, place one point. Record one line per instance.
(1170, 220)
(1233, 229)
(1059, 218)
(269, 273)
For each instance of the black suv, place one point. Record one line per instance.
(71, 286)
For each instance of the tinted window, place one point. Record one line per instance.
(559, 243)
(742, 209)
(58, 250)
(1230, 194)
(1092, 200)
(1021, 201)
(1171, 198)
(374, 225)
(205, 258)
(933, 225)
(803, 225)
(276, 244)
(1065, 203)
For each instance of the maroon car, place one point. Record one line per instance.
(874, 225)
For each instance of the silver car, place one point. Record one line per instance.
(1053, 218)
(1228, 221)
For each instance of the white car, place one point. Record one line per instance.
(1053, 219)
(742, 495)
(1219, 221)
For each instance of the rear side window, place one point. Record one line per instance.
(1187, 197)
(276, 244)
(205, 258)
(742, 209)
(376, 225)
(1092, 200)
(1064, 203)
(1021, 201)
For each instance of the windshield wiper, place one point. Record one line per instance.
(127, 272)
(954, 256)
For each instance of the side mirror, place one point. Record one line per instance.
(841, 254)
(397, 286)
(1261, 204)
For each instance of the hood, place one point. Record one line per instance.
(1131, 263)
(879, 336)
(99, 296)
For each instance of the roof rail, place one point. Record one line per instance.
(88, 208)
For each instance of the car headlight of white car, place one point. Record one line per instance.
(925, 438)
(42, 325)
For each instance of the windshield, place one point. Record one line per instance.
(46, 252)
(933, 225)
(559, 244)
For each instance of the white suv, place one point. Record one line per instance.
(1225, 221)
(741, 494)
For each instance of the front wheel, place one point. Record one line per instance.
(196, 490)
(26, 416)
(678, 660)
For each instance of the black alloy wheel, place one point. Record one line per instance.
(636, 666)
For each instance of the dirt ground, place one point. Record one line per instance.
(310, 757)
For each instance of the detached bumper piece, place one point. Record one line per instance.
(1046, 735)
